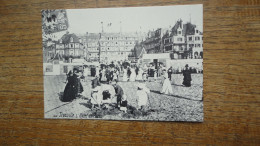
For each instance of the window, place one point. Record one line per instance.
(71, 39)
(197, 38)
(179, 39)
(179, 32)
(166, 41)
(71, 45)
(197, 31)
(190, 38)
(197, 45)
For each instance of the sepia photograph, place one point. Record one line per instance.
(131, 63)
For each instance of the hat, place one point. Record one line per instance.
(186, 65)
(75, 70)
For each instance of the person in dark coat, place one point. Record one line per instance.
(93, 71)
(119, 93)
(71, 90)
(100, 75)
(136, 70)
(110, 75)
(79, 87)
(152, 71)
(170, 73)
(149, 71)
(128, 72)
(186, 76)
(95, 82)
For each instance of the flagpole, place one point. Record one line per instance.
(102, 27)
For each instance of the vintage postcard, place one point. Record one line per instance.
(133, 63)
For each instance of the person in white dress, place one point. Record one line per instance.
(139, 76)
(104, 78)
(145, 75)
(133, 75)
(96, 96)
(166, 88)
(155, 75)
(142, 95)
(125, 75)
(85, 73)
(115, 74)
(97, 71)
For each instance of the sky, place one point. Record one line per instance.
(132, 19)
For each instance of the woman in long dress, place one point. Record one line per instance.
(166, 88)
(115, 75)
(139, 76)
(155, 75)
(145, 75)
(142, 95)
(104, 78)
(71, 90)
(133, 75)
(96, 96)
(125, 75)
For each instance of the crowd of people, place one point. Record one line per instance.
(105, 87)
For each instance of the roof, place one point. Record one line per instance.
(66, 38)
(175, 27)
(157, 56)
(188, 28)
(93, 36)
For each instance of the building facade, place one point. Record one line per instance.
(70, 46)
(183, 41)
(195, 43)
(153, 42)
(91, 42)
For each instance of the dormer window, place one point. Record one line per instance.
(197, 31)
(60, 40)
(179, 32)
(71, 39)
